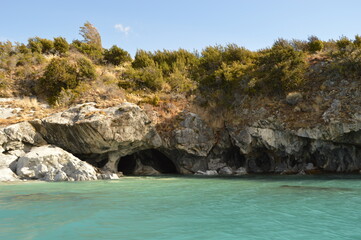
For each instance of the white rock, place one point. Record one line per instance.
(241, 171)
(211, 172)
(61, 176)
(24, 132)
(8, 161)
(226, 171)
(309, 166)
(50, 163)
(109, 175)
(207, 173)
(7, 175)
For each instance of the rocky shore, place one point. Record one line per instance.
(88, 143)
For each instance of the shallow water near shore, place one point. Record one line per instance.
(178, 207)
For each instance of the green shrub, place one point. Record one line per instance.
(347, 64)
(315, 44)
(61, 46)
(58, 75)
(143, 59)
(116, 55)
(90, 50)
(35, 45)
(47, 46)
(343, 43)
(357, 41)
(21, 48)
(61, 74)
(85, 69)
(150, 77)
(278, 70)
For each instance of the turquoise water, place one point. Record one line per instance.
(253, 207)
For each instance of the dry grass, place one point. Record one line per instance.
(27, 103)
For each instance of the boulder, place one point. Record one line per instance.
(141, 169)
(108, 176)
(241, 171)
(52, 163)
(293, 98)
(7, 175)
(24, 132)
(207, 173)
(226, 171)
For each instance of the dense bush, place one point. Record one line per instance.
(85, 69)
(224, 68)
(278, 69)
(62, 73)
(148, 77)
(142, 59)
(47, 45)
(315, 44)
(348, 63)
(40, 45)
(61, 46)
(35, 45)
(91, 51)
(59, 74)
(343, 43)
(116, 56)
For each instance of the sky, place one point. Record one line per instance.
(189, 24)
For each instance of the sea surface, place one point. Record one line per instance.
(175, 207)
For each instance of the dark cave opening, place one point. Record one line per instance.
(97, 160)
(145, 162)
(234, 157)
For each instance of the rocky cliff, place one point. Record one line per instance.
(88, 143)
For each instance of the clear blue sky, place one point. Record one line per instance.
(189, 24)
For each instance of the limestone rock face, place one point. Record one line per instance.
(24, 132)
(52, 163)
(193, 136)
(85, 129)
(189, 144)
(269, 147)
(110, 139)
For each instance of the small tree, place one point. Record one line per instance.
(47, 45)
(357, 41)
(61, 74)
(279, 69)
(142, 59)
(343, 43)
(61, 46)
(85, 69)
(314, 44)
(91, 35)
(116, 55)
(21, 48)
(58, 75)
(35, 45)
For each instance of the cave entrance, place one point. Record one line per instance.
(146, 162)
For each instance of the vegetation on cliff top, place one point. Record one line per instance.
(65, 73)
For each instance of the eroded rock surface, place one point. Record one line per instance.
(52, 163)
(90, 143)
(85, 129)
